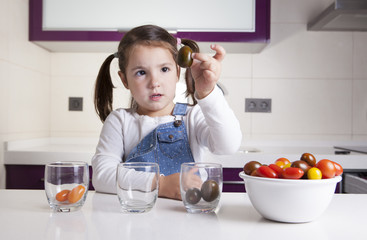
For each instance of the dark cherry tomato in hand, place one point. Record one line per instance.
(251, 166)
(338, 169)
(184, 57)
(309, 158)
(327, 168)
(266, 171)
(292, 173)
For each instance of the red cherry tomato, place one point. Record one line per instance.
(277, 169)
(327, 168)
(292, 173)
(266, 171)
(338, 169)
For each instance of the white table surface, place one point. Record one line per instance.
(24, 214)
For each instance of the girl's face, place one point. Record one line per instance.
(151, 75)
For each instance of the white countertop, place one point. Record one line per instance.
(25, 215)
(45, 150)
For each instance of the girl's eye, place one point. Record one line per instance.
(165, 69)
(140, 73)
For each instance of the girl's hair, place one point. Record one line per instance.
(149, 35)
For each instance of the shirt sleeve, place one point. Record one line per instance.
(109, 153)
(216, 125)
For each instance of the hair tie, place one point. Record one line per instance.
(178, 41)
(116, 55)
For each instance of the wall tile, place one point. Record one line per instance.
(304, 107)
(295, 52)
(4, 96)
(4, 29)
(360, 55)
(239, 89)
(360, 107)
(237, 66)
(29, 98)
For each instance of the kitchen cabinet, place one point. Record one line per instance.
(29, 177)
(249, 30)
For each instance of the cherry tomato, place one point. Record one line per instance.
(338, 169)
(251, 166)
(292, 173)
(254, 173)
(302, 165)
(314, 173)
(62, 196)
(327, 168)
(266, 171)
(76, 194)
(284, 160)
(309, 158)
(277, 169)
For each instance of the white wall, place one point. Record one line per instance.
(24, 79)
(317, 81)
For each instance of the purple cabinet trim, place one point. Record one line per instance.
(262, 33)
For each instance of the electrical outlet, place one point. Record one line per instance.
(75, 104)
(258, 105)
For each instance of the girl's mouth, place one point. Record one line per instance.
(155, 97)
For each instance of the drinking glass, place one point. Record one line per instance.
(137, 186)
(66, 185)
(201, 186)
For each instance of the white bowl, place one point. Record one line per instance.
(290, 200)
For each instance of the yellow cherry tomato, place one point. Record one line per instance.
(280, 164)
(314, 173)
(287, 165)
(76, 194)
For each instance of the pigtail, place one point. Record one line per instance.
(103, 93)
(190, 83)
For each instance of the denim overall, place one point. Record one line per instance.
(166, 145)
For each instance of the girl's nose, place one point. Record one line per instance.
(154, 82)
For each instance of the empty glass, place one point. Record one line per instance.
(201, 186)
(66, 185)
(137, 186)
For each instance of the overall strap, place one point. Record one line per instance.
(180, 109)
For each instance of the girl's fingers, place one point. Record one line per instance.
(220, 52)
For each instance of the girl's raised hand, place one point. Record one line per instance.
(206, 70)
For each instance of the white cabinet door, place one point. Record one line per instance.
(177, 16)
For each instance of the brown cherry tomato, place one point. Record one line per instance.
(62, 196)
(184, 57)
(251, 166)
(309, 158)
(302, 165)
(266, 171)
(292, 173)
(327, 168)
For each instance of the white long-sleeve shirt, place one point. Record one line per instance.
(210, 124)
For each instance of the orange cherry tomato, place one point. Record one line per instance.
(327, 168)
(76, 194)
(62, 196)
(284, 160)
(338, 169)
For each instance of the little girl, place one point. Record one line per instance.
(154, 128)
